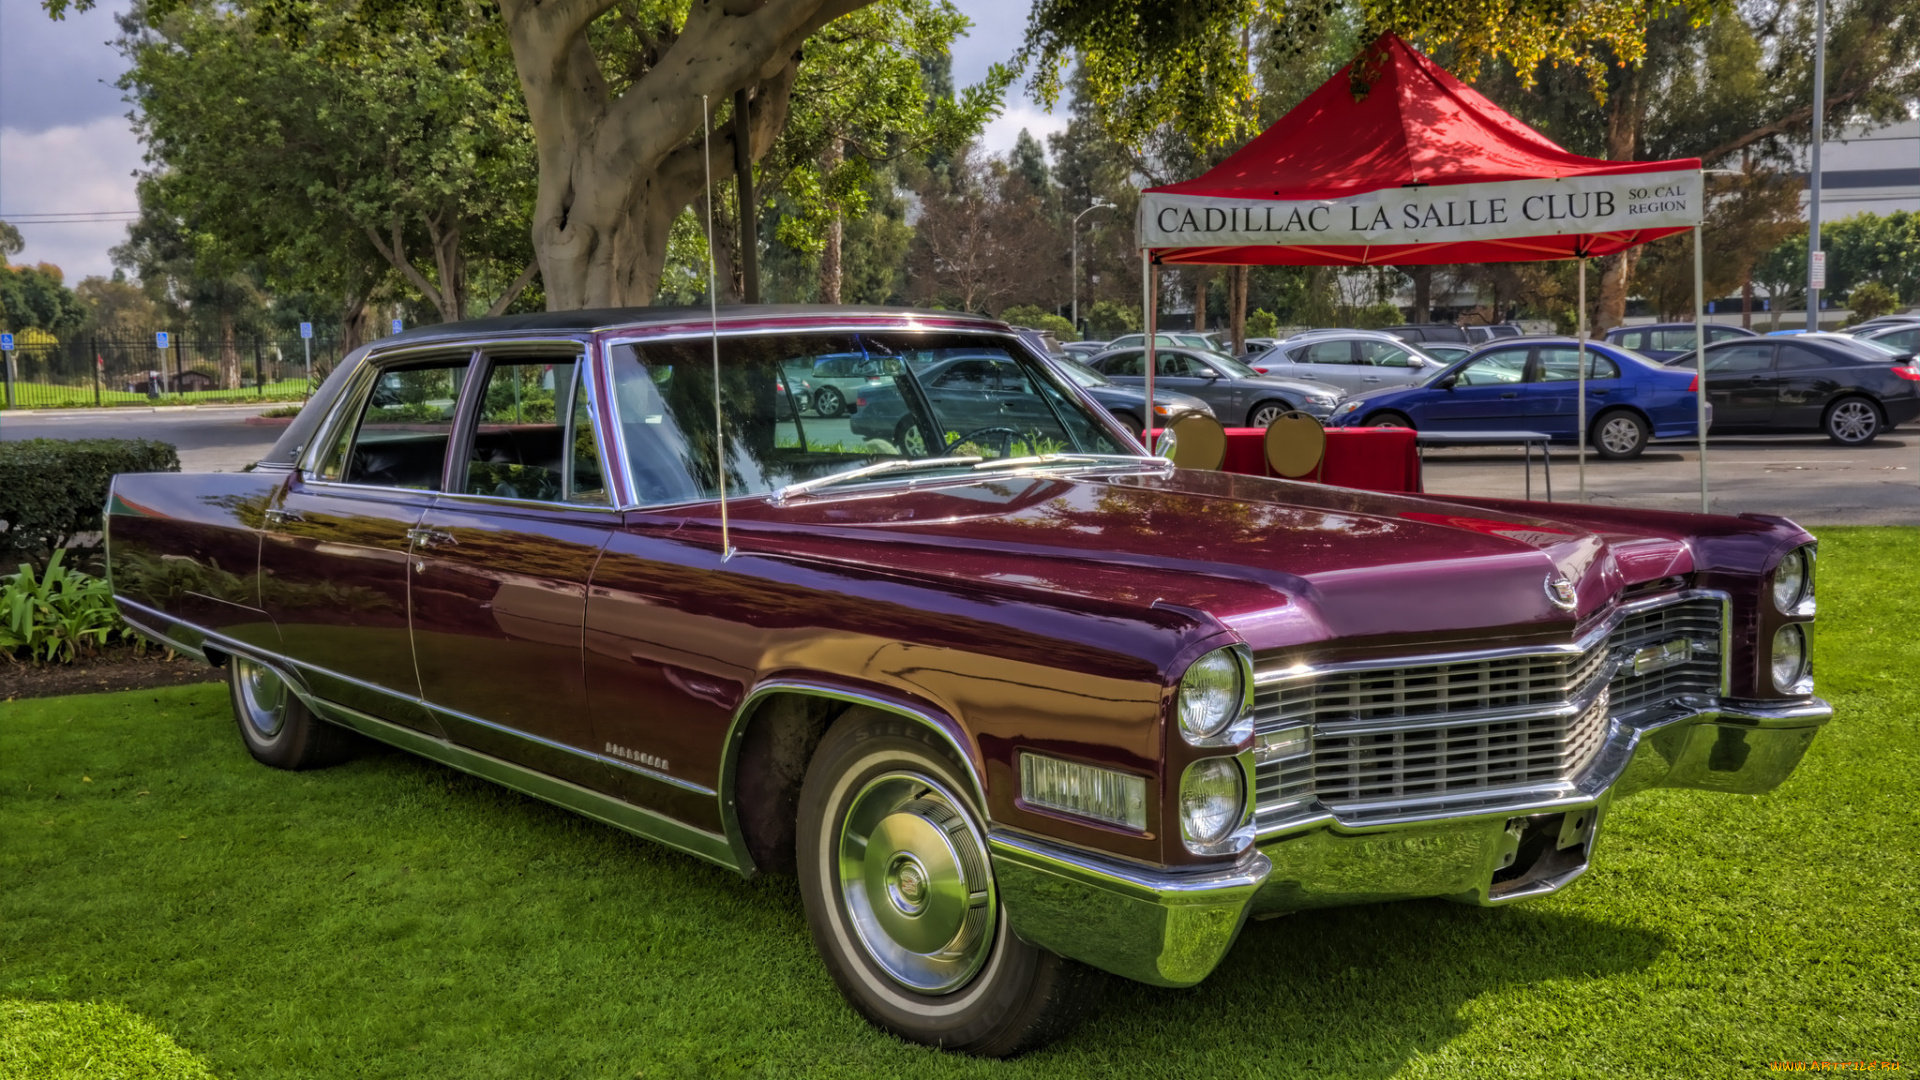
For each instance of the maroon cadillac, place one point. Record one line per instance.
(1016, 702)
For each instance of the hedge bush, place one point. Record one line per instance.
(53, 490)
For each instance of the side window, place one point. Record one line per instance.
(1675, 340)
(586, 484)
(399, 439)
(1176, 364)
(966, 375)
(1560, 363)
(1908, 340)
(1325, 352)
(1798, 358)
(520, 448)
(1126, 364)
(1384, 354)
(1495, 369)
(1744, 358)
(1633, 339)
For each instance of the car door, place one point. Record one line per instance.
(1330, 361)
(1185, 373)
(1385, 363)
(1805, 380)
(338, 542)
(502, 562)
(1552, 390)
(1741, 385)
(1483, 395)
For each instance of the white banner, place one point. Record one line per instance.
(1506, 210)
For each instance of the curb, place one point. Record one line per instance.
(134, 410)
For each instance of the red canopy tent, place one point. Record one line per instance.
(1393, 162)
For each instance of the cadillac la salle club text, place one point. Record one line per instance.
(1019, 708)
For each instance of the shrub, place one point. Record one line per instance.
(58, 615)
(1034, 318)
(52, 490)
(1871, 300)
(1109, 319)
(1263, 323)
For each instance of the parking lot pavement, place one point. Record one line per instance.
(1805, 478)
(211, 438)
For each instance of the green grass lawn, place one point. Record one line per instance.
(170, 909)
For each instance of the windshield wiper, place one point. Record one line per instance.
(1124, 460)
(878, 468)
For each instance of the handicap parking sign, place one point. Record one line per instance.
(160, 339)
(306, 329)
(6, 342)
(397, 327)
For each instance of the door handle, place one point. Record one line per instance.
(429, 537)
(1511, 394)
(282, 517)
(1599, 393)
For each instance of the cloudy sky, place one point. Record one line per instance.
(66, 147)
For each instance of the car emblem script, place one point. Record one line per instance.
(1560, 591)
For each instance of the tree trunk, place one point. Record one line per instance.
(615, 170)
(229, 353)
(1237, 309)
(1201, 276)
(747, 211)
(830, 256)
(1422, 294)
(1625, 106)
(1615, 276)
(726, 269)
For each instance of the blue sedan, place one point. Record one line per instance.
(1532, 385)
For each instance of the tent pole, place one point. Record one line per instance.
(1580, 371)
(1150, 282)
(1700, 359)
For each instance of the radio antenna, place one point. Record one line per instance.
(713, 329)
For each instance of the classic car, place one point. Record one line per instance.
(1024, 707)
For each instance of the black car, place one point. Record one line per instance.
(1848, 388)
(1664, 341)
(974, 395)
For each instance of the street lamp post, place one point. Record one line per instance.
(1816, 279)
(1097, 205)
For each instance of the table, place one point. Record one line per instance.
(1526, 439)
(1371, 459)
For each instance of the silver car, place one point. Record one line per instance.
(1353, 360)
(1238, 395)
(835, 379)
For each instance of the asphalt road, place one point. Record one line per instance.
(1802, 477)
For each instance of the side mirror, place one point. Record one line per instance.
(1446, 382)
(1414, 361)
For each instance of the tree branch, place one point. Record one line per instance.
(514, 290)
(397, 255)
(1786, 123)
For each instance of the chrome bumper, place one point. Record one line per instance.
(1172, 929)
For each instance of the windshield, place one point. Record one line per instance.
(1232, 366)
(1082, 374)
(1887, 347)
(947, 397)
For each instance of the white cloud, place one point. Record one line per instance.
(67, 169)
(1002, 131)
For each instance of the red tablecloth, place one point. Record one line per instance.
(1372, 459)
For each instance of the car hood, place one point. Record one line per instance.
(1280, 563)
(1114, 392)
(1296, 386)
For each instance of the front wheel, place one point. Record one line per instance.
(276, 726)
(1389, 419)
(829, 402)
(900, 898)
(1853, 421)
(1267, 412)
(1619, 436)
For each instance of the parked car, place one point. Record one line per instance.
(1010, 718)
(1446, 351)
(1664, 341)
(1849, 388)
(1163, 340)
(1883, 320)
(1532, 385)
(1237, 394)
(1900, 336)
(1424, 332)
(1258, 345)
(1480, 333)
(1127, 404)
(1353, 360)
(1083, 350)
(833, 380)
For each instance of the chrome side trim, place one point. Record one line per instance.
(736, 734)
(598, 759)
(147, 631)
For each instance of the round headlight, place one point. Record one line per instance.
(1212, 796)
(1211, 695)
(1789, 657)
(1790, 580)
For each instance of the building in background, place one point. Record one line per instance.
(1875, 171)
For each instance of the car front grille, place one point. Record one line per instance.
(1434, 731)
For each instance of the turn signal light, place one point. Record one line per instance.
(1694, 386)
(1910, 372)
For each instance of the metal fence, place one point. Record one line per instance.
(87, 369)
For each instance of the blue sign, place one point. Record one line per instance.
(397, 327)
(6, 342)
(160, 339)
(306, 329)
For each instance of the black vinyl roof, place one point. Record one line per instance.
(580, 322)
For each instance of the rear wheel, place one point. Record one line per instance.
(1130, 422)
(910, 437)
(1389, 419)
(277, 727)
(1853, 421)
(829, 402)
(900, 898)
(1620, 435)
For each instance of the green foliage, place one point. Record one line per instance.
(11, 242)
(1372, 316)
(1262, 323)
(1033, 317)
(34, 298)
(1110, 318)
(53, 490)
(58, 614)
(1871, 300)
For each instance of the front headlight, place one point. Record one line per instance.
(1213, 694)
(1792, 581)
(1349, 407)
(1212, 797)
(1789, 657)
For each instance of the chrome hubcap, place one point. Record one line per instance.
(263, 696)
(1620, 435)
(1265, 416)
(1854, 420)
(914, 883)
